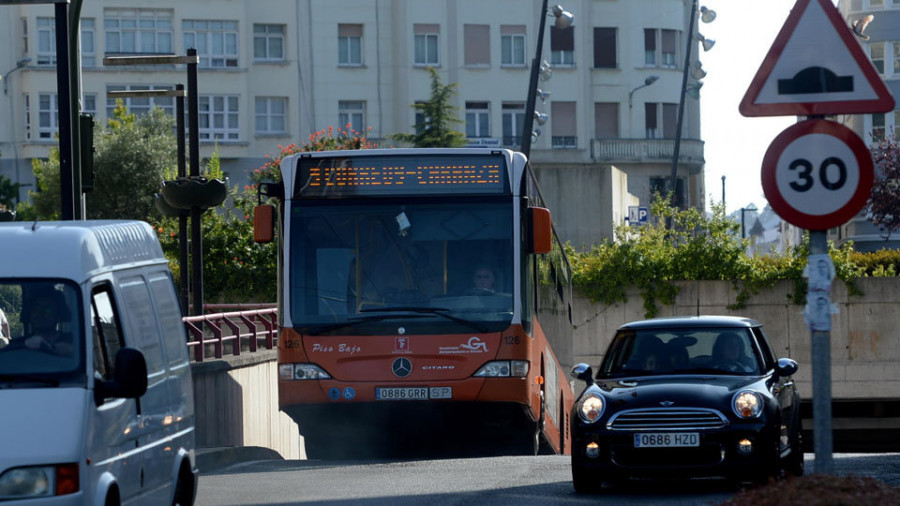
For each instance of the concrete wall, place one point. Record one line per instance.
(236, 404)
(865, 340)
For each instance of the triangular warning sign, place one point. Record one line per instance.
(815, 67)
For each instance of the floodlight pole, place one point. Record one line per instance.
(532, 85)
(680, 122)
(64, 105)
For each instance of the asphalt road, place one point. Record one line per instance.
(493, 481)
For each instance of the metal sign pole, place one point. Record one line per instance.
(821, 367)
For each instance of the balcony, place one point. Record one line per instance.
(622, 151)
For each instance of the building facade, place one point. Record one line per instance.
(271, 73)
(881, 42)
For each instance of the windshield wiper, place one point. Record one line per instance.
(440, 311)
(356, 320)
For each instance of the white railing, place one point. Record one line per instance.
(646, 150)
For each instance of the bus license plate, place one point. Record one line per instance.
(667, 440)
(412, 393)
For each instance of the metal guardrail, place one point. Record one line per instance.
(243, 331)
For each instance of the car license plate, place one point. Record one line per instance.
(412, 393)
(666, 440)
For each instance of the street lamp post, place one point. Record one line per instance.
(707, 17)
(563, 20)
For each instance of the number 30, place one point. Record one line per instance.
(805, 174)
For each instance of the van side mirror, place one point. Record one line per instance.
(264, 223)
(129, 377)
(541, 230)
(583, 372)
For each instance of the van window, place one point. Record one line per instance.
(144, 334)
(169, 313)
(107, 334)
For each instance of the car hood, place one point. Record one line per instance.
(676, 391)
(41, 425)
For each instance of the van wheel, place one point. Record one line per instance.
(112, 497)
(184, 489)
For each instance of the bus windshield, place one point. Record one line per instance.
(429, 267)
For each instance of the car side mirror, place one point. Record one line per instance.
(129, 377)
(786, 367)
(583, 372)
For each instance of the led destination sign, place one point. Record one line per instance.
(403, 175)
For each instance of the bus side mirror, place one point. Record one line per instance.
(541, 230)
(264, 223)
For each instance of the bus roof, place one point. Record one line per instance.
(75, 250)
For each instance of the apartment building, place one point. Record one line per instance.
(274, 71)
(882, 44)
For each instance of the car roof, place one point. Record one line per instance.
(692, 322)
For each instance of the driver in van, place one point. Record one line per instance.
(44, 316)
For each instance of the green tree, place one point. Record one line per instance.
(131, 157)
(439, 116)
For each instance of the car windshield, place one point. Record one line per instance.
(682, 351)
(41, 340)
(430, 266)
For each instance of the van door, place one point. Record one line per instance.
(142, 332)
(113, 427)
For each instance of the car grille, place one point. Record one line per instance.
(667, 419)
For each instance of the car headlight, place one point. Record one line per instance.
(591, 407)
(503, 369)
(747, 404)
(39, 481)
(288, 372)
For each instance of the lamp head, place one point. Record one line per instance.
(707, 15)
(650, 80)
(23, 62)
(543, 95)
(541, 118)
(564, 18)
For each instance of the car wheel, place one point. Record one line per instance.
(184, 488)
(793, 465)
(583, 482)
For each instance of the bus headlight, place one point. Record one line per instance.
(503, 369)
(747, 404)
(591, 407)
(287, 372)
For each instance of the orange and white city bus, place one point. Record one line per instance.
(392, 337)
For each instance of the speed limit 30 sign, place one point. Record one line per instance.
(817, 174)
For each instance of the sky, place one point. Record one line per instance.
(735, 145)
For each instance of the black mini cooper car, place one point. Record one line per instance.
(686, 397)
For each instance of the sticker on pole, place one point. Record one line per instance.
(817, 174)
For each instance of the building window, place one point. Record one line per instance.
(878, 127)
(426, 44)
(513, 123)
(659, 48)
(563, 127)
(562, 46)
(46, 41)
(46, 54)
(512, 45)
(350, 44)
(216, 42)
(477, 41)
(129, 31)
(660, 186)
(89, 104)
(271, 115)
(352, 115)
(606, 120)
(219, 117)
(605, 48)
(48, 115)
(27, 98)
(897, 56)
(876, 51)
(88, 47)
(140, 106)
(268, 42)
(478, 119)
(660, 120)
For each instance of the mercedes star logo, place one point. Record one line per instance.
(667, 403)
(401, 367)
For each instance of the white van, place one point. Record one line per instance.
(96, 398)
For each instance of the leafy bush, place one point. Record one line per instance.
(818, 490)
(683, 244)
